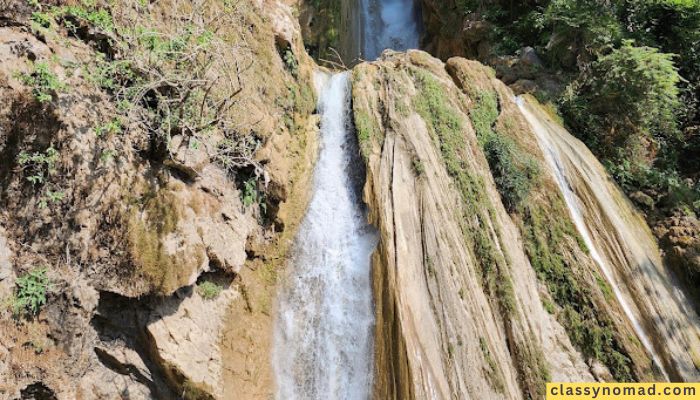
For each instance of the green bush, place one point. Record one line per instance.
(514, 171)
(30, 292)
(671, 25)
(45, 84)
(583, 24)
(209, 290)
(39, 165)
(628, 98)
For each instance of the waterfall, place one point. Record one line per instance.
(622, 247)
(324, 327)
(389, 24)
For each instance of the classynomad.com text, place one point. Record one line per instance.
(623, 391)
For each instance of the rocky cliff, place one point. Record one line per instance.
(483, 286)
(154, 158)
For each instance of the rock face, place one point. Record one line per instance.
(129, 223)
(474, 295)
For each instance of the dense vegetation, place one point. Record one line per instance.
(632, 71)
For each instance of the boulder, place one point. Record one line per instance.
(529, 57)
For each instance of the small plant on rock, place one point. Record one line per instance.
(38, 166)
(30, 292)
(290, 61)
(45, 84)
(418, 167)
(209, 290)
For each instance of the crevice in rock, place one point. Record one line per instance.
(37, 391)
(121, 324)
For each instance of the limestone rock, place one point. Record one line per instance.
(522, 86)
(185, 331)
(189, 157)
(440, 333)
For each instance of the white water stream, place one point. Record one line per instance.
(323, 339)
(389, 24)
(324, 327)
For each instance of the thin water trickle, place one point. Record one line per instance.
(575, 209)
(324, 327)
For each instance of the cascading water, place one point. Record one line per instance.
(389, 24)
(643, 288)
(324, 327)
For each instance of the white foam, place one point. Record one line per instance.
(324, 327)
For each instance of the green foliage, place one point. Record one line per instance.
(250, 194)
(97, 17)
(86, 12)
(45, 84)
(209, 290)
(110, 75)
(38, 166)
(671, 190)
(639, 83)
(43, 20)
(671, 25)
(52, 197)
(30, 291)
(107, 156)
(290, 61)
(325, 35)
(582, 23)
(514, 171)
(112, 127)
(418, 167)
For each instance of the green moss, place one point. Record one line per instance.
(148, 228)
(515, 172)
(484, 114)
(442, 119)
(446, 127)
(495, 376)
(547, 236)
(548, 306)
(605, 288)
(367, 130)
